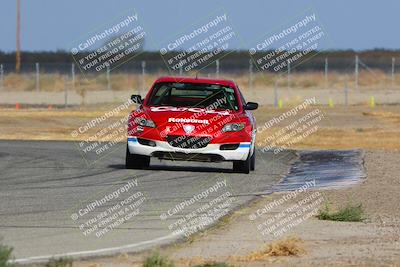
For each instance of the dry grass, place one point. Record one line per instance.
(343, 128)
(50, 124)
(194, 261)
(290, 246)
(347, 139)
(44, 114)
(358, 127)
(388, 116)
(57, 82)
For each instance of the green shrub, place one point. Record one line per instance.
(61, 262)
(5, 256)
(157, 260)
(215, 264)
(348, 213)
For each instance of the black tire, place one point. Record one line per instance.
(242, 166)
(253, 161)
(134, 161)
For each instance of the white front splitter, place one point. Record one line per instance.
(240, 153)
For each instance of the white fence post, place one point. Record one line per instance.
(356, 72)
(288, 75)
(250, 74)
(37, 77)
(108, 78)
(326, 73)
(143, 76)
(217, 68)
(65, 92)
(393, 64)
(73, 76)
(1, 77)
(276, 94)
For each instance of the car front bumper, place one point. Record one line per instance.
(211, 151)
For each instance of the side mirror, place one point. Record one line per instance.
(137, 99)
(251, 106)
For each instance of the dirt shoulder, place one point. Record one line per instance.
(374, 242)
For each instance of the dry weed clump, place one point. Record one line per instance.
(389, 116)
(290, 246)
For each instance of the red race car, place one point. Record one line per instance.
(192, 119)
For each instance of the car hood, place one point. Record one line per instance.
(177, 120)
(171, 114)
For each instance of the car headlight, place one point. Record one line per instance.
(145, 122)
(233, 127)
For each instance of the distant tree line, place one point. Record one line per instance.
(230, 61)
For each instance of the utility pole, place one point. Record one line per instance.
(18, 48)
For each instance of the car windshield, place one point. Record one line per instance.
(200, 95)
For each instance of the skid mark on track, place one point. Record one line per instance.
(329, 168)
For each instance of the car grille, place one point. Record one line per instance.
(188, 142)
(188, 157)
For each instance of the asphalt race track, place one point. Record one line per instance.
(43, 183)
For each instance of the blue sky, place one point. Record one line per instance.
(54, 24)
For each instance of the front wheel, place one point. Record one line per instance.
(243, 166)
(134, 161)
(253, 161)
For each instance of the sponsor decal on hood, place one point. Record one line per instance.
(196, 110)
(187, 120)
